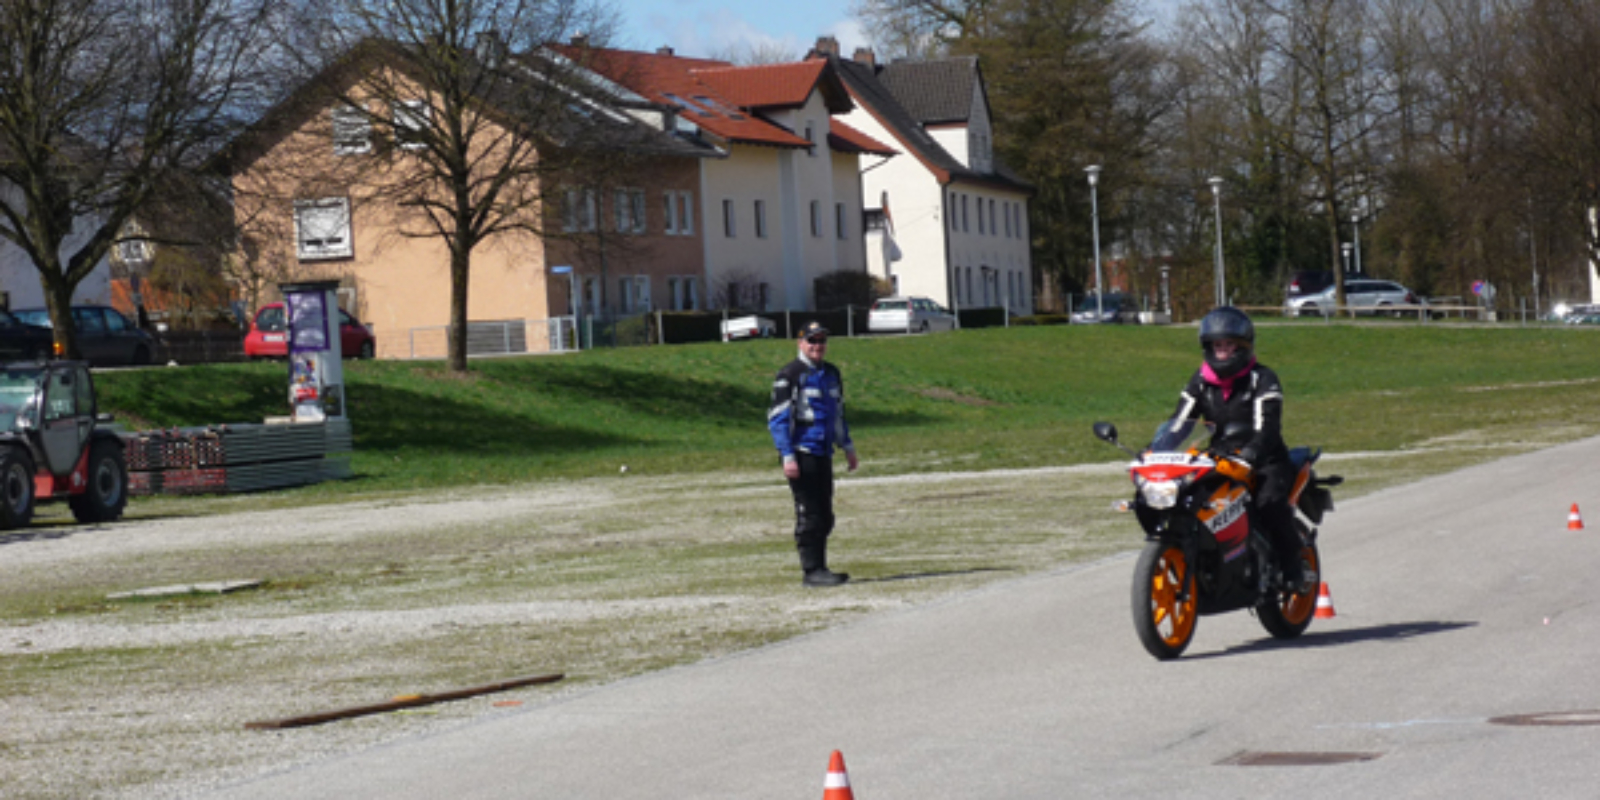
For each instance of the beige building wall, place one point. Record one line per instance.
(398, 281)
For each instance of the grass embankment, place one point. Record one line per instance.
(979, 399)
(567, 566)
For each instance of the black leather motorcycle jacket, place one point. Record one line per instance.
(1247, 411)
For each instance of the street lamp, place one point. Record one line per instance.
(1216, 202)
(1345, 246)
(1094, 214)
(1355, 225)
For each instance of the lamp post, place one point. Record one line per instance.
(1216, 204)
(1355, 225)
(1345, 246)
(1094, 214)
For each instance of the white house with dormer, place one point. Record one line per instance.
(953, 214)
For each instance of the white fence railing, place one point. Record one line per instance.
(497, 338)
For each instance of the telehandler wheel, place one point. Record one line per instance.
(16, 488)
(107, 494)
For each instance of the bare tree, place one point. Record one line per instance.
(487, 126)
(100, 102)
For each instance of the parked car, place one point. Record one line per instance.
(909, 315)
(20, 341)
(1363, 295)
(1314, 281)
(751, 327)
(1117, 308)
(105, 337)
(269, 335)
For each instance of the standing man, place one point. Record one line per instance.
(807, 421)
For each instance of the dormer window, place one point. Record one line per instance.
(811, 137)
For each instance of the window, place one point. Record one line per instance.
(591, 296)
(964, 219)
(634, 292)
(980, 216)
(816, 218)
(322, 228)
(811, 137)
(950, 211)
(352, 131)
(993, 231)
(686, 213)
(133, 251)
(629, 210)
(411, 122)
(685, 292)
(727, 219)
(580, 211)
(761, 219)
(840, 224)
(670, 209)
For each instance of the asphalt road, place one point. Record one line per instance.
(1460, 600)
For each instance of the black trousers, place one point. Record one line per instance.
(813, 509)
(1274, 481)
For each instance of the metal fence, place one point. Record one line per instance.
(497, 338)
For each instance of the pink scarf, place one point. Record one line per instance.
(1225, 384)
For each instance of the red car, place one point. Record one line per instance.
(269, 337)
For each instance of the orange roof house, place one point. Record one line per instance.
(784, 207)
(315, 185)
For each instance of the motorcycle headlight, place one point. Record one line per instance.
(1159, 494)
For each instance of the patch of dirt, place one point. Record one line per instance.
(952, 396)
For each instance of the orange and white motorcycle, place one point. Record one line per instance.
(1202, 555)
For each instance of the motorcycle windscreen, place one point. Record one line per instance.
(1224, 515)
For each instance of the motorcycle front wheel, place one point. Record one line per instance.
(1285, 615)
(1164, 602)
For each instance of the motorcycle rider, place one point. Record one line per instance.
(1244, 400)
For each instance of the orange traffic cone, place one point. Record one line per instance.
(1324, 603)
(837, 785)
(1574, 519)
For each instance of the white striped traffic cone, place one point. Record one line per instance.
(1574, 519)
(837, 785)
(1324, 603)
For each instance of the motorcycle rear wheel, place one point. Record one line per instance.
(1164, 603)
(1285, 615)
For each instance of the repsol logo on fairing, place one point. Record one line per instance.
(1227, 516)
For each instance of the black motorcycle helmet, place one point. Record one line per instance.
(1227, 322)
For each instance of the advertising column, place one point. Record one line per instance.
(316, 373)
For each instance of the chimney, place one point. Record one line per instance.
(827, 45)
(580, 40)
(865, 56)
(664, 50)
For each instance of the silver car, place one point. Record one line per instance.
(1361, 296)
(909, 315)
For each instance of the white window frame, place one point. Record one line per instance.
(761, 219)
(730, 227)
(840, 222)
(980, 216)
(323, 213)
(816, 219)
(628, 210)
(412, 119)
(669, 207)
(686, 213)
(635, 290)
(351, 130)
(580, 211)
(685, 291)
(591, 295)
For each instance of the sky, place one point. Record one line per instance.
(704, 28)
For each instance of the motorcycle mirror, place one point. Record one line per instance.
(1106, 432)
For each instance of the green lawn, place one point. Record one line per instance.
(976, 399)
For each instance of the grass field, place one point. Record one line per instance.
(983, 399)
(489, 534)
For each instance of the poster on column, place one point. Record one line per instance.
(316, 380)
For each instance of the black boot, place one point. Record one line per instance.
(824, 577)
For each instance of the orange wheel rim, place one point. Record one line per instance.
(1172, 606)
(1298, 608)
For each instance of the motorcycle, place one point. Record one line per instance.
(1202, 555)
